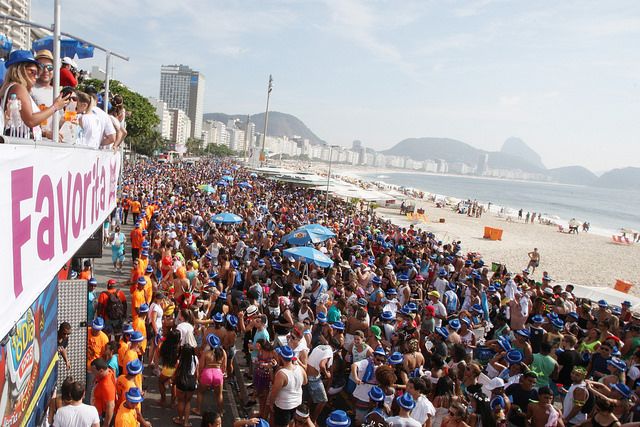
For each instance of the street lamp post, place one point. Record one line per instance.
(326, 198)
(263, 155)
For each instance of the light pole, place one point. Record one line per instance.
(263, 155)
(326, 198)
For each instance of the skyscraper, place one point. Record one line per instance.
(183, 88)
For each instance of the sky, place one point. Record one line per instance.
(562, 76)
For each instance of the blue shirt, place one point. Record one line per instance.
(263, 334)
(91, 306)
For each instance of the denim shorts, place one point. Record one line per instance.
(316, 390)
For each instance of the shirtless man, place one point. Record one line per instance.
(542, 413)
(534, 260)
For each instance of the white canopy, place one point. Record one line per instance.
(610, 295)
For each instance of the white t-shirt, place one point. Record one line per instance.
(95, 125)
(159, 313)
(423, 410)
(76, 416)
(440, 311)
(318, 354)
(399, 421)
(186, 333)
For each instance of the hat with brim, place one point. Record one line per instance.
(376, 280)
(538, 319)
(387, 316)
(344, 264)
(213, 340)
(144, 308)
(136, 336)
(495, 383)
(523, 333)
(379, 351)
(504, 343)
(623, 389)
(376, 331)
(97, 324)
(142, 281)
(285, 352)
(396, 358)
(406, 401)
(339, 326)
(513, 357)
(44, 54)
(617, 363)
(134, 395)
(134, 367)
(322, 318)
(376, 394)
(19, 57)
(434, 294)
(218, 318)
(391, 292)
(557, 323)
(338, 418)
(454, 324)
(251, 310)
(127, 329)
(442, 332)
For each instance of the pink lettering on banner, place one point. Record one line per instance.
(103, 186)
(113, 180)
(76, 206)
(46, 228)
(21, 190)
(63, 212)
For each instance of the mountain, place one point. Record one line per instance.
(625, 178)
(280, 124)
(517, 147)
(577, 175)
(454, 151)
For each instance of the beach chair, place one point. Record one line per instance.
(560, 229)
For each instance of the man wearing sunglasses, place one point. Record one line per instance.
(42, 90)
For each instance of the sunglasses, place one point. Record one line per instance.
(47, 67)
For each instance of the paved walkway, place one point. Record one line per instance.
(158, 416)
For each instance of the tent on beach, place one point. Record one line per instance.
(610, 295)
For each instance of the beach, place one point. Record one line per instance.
(585, 258)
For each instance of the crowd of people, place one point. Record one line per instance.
(402, 330)
(29, 104)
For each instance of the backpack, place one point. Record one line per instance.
(115, 308)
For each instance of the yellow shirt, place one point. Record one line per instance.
(127, 417)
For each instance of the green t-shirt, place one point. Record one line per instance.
(333, 315)
(543, 366)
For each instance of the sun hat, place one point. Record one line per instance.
(44, 54)
(495, 383)
(406, 401)
(376, 331)
(285, 352)
(396, 358)
(442, 332)
(142, 281)
(322, 317)
(20, 56)
(623, 389)
(513, 357)
(136, 336)
(338, 325)
(537, 319)
(134, 367)
(144, 308)
(557, 323)
(380, 352)
(617, 363)
(376, 394)
(387, 316)
(434, 294)
(338, 418)
(134, 395)
(213, 340)
(127, 329)
(97, 324)
(252, 309)
(454, 324)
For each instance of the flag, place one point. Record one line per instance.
(270, 83)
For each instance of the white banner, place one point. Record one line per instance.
(53, 198)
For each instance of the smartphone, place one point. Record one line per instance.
(66, 91)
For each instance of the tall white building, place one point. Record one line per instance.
(19, 34)
(183, 88)
(180, 129)
(162, 111)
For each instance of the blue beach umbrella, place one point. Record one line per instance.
(245, 184)
(303, 236)
(227, 218)
(207, 188)
(68, 47)
(319, 229)
(227, 178)
(5, 44)
(308, 255)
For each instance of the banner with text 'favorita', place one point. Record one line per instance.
(52, 200)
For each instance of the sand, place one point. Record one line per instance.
(585, 258)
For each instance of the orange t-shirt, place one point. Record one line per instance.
(95, 346)
(126, 417)
(84, 275)
(104, 392)
(136, 238)
(137, 299)
(128, 357)
(122, 349)
(143, 262)
(140, 325)
(135, 206)
(148, 289)
(123, 384)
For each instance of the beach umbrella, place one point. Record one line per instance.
(302, 236)
(308, 255)
(207, 188)
(245, 184)
(222, 183)
(253, 175)
(227, 218)
(319, 229)
(68, 47)
(227, 178)
(5, 45)
(226, 171)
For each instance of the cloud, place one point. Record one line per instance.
(510, 101)
(472, 8)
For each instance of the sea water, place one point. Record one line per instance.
(607, 210)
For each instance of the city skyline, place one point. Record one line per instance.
(562, 77)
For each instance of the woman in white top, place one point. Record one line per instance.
(155, 320)
(97, 130)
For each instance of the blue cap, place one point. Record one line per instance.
(442, 332)
(20, 56)
(338, 418)
(376, 394)
(514, 356)
(144, 308)
(97, 324)
(623, 389)
(134, 367)
(285, 352)
(213, 340)
(387, 316)
(454, 324)
(338, 325)
(134, 395)
(396, 358)
(406, 401)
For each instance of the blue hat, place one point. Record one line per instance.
(504, 343)
(468, 262)
(261, 262)
(144, 308)
(514, 356)
(92, 282)
(377, 280)
(392, 291)
(262, 423)
(218, 317)
(338, 325)
(380, 351)
(338, 418)
(537, 319)
(149, 269)
(134, 367)
(136, 336)
(442, 272)
(208, 256)
(396, 358)
(617, 363)
(213, 275)
(144, 252)
(298, 289)
(573, 315)
(552, 316)
(20, 56)
(285, 352)
(223, 295)
(142, 281)
(623, 389)
(234, 263)
(376, 394)
(557, 323)
(233, 320)
(363, 302)
(406, 401)
(477, 307)
(523, 333)
(602, 303)
(616, 310)
(145, 243)
(403, 278)
(405, 310)
(442, 332)
(134, 395)
(498, 401)
(547, 278)
(213, 340)
(452, 286)
(626, 303)
(454, 324)
(491, 288)
(465, 320)
(387, 315)
(97, 324)
(127, 329)
(322, 318)
(412, 307)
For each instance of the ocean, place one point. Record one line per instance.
(607, 210)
